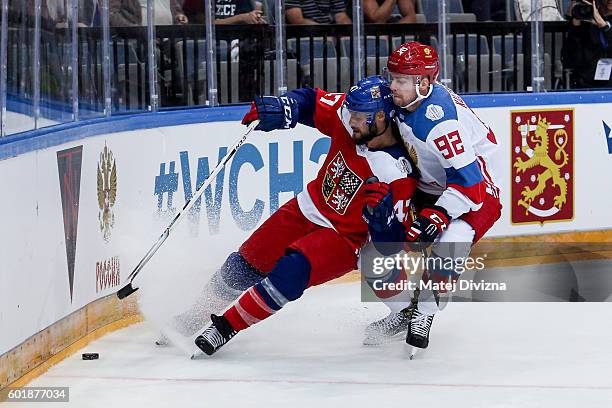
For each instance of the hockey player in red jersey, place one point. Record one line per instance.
(457, 198)
(315, 237)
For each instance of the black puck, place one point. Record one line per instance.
(90, 356)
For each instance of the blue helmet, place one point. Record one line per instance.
(371, 95)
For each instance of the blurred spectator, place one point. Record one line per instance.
(124, 13)
(588, 43)
(316, 12)
(548, 10)
(238, 12)
(226, 11)
(167, 12)
(379, 11)
(247, 51)
(486, 10)
(56, 13)
(382, 11)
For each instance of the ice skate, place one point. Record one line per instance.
(387, 329)
(417, 336)
(215, 336)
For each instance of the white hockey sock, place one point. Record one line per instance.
(427, 303)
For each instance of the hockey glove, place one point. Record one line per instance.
(378, 211)
(386, 232)
(273, 112)
(430, 222)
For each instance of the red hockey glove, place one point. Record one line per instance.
(430, 222)
(375, 192)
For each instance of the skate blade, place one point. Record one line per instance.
(413, 352)
(198, 355)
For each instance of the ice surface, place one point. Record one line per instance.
(310, 355)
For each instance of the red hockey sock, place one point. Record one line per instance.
(387, 293)
(248, 310)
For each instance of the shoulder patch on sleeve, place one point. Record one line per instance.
(434, 112)
(403, 164)
(436, 109)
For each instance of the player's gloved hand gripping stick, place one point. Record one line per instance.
(384, 227)
(128, 289)
(431, 222)
(273, 112)
(378, 211)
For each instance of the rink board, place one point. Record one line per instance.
(159, 160)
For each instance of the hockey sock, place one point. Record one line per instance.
(395, 299)
(387, 286)
(238, 274)
(286, 282)
(428, 304)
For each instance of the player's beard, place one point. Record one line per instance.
(403, 100)
(361, 138)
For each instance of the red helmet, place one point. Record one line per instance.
(414, 58)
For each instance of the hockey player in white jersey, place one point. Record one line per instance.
(457, 198)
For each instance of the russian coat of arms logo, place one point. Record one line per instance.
(107, 191)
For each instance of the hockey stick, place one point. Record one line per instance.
(128, 289)
(417, 291)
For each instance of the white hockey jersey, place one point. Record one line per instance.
(452, 148)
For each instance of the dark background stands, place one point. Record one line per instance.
(587, 43)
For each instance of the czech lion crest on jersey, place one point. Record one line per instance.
(340, 184)
(542, 166)
(107, 191)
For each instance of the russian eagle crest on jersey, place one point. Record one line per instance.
(340, 184)
(452, 148)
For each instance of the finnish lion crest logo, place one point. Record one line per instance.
(542, 166)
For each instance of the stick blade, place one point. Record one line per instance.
(126, 291)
